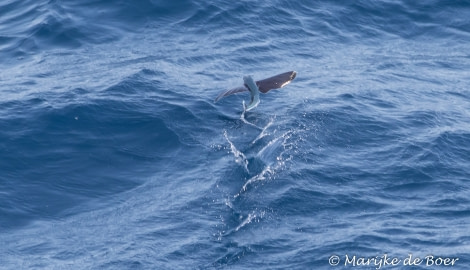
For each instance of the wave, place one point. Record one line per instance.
(46, 25)
(89, 145)
(115, 131)
(51, 24)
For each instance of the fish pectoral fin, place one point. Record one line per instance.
(231, 92)
(276, 81)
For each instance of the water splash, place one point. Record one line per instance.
(259, 177)
(240, 158)
(242, 117)
(263, 132)
(246, 221)
(272, 167)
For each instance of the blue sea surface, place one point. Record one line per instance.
(113, 154)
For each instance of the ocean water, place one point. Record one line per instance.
(113, 154)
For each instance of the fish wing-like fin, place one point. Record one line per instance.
(275, 82)
(231, 92)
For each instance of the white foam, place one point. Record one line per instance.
(240, 158)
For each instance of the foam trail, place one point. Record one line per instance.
(263, 132)
(270, 145)
(253, 216)
(240, 158)
(247, 220)
(274, 143)
(242, 117)
(259, 177)
(269, 169)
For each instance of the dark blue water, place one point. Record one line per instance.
(114, 156)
